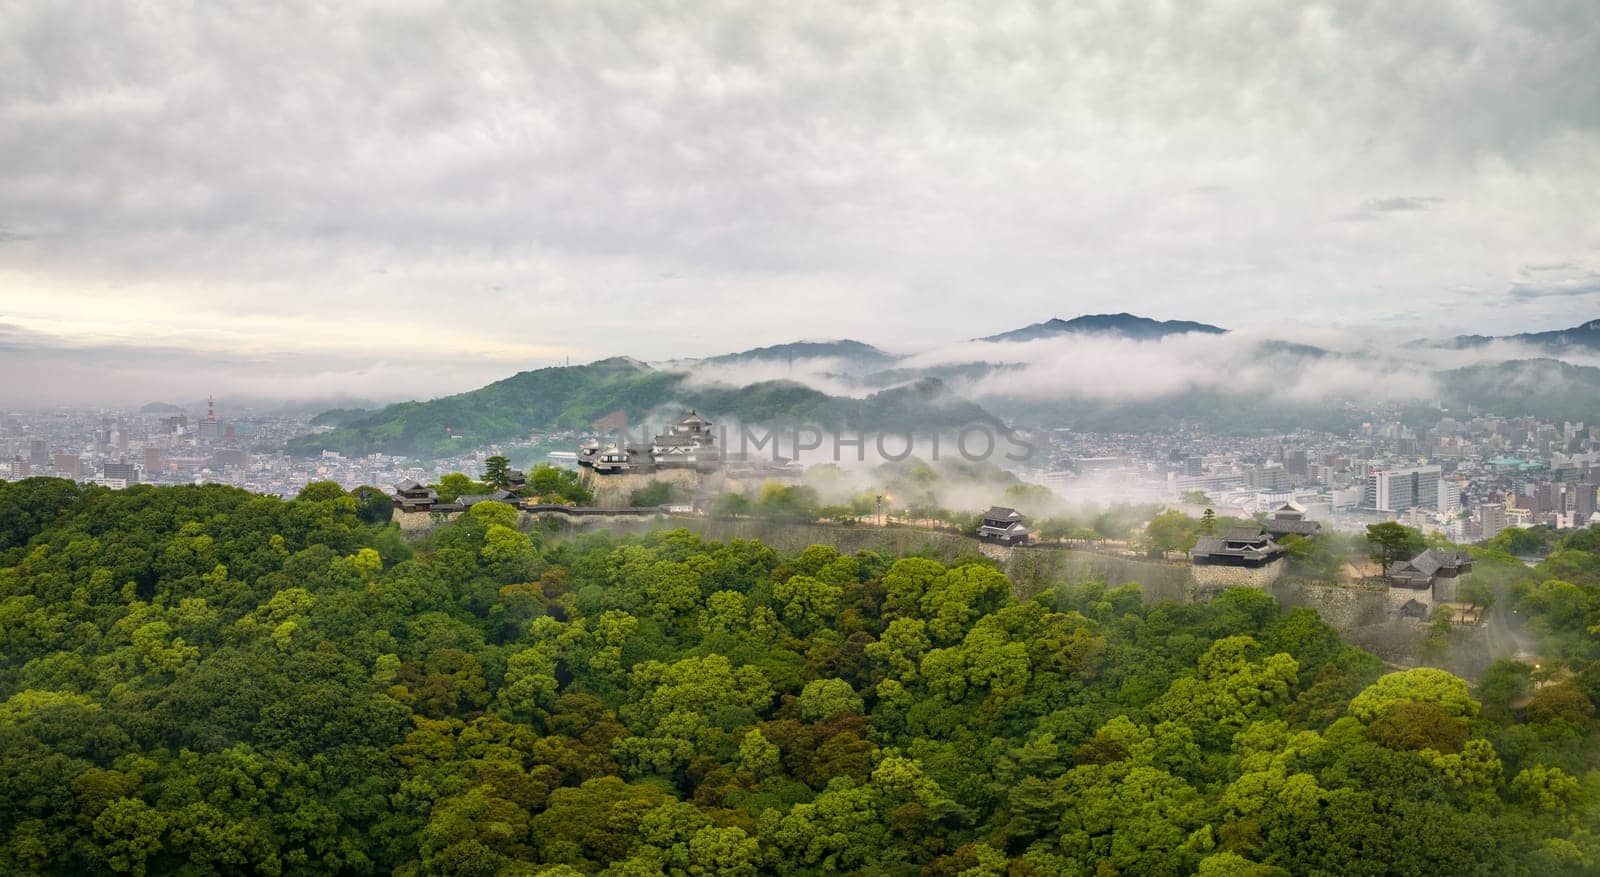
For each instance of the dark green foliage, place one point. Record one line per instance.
(653, 494)
(497, 472)
(198, 680)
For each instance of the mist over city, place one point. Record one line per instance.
(845, 438)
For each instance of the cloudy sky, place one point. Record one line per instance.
(409, 198)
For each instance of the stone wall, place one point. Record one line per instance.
(1398, 597)
(419, 523)
(1343, 606)
(1211, 579)
(615, 491)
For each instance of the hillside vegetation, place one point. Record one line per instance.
(573, 397)
(197, 680)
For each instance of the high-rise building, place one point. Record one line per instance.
(152, 461)
(1395, 490)
(1583, 503)
(1269, 477)
(1449, 496)
(67, 466)
(1294, 462)
(18, 469)
(1492, 518)
(1544, 498)
(210, 430)
(124, 472)
(38, 453)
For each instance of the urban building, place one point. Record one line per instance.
(1395, 490)
(127, 473)
(68, 466)
(1491, 519)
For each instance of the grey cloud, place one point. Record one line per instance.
(1570, 288)
(1377, 208)
(1400, 204)
(40, 368)
(822, 168)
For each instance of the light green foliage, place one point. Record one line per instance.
(1230, 688)
(900, 647)
(1422, 685)
(196, 680)
(128, 832)
(509, 553)
(726, 614)
(758, 755)
(1138, 819)
(1170, 531)
(806, 602)
(826, 698)
(1227, 864)
(839, 831)
(907, 581)
(454, 485)
(1548, 789)
(955, 599)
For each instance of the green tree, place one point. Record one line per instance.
(1169, 531)
(1391, 542)
(497, 472)
(827, 698)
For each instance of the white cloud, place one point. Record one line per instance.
(602, 179)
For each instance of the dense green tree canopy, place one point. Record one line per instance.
(198, 680)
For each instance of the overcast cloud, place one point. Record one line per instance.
(402, 199)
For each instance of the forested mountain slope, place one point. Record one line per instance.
(572, 397)
(198, 680)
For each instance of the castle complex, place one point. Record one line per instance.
(688, 444)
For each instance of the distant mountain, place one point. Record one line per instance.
(890, 395)
(160, 408)
(1124, 325)
(856, 352)
(1585, 335)
(1544, 388)
(573, 397)
(339, 416)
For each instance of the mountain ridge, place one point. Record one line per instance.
(1124, 324)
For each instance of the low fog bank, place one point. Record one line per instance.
(835, 376)
(127, 377)
(1301, 367)
(1292, 366)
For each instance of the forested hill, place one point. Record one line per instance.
(1545, 388)
(197, 680)
(576, 396)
